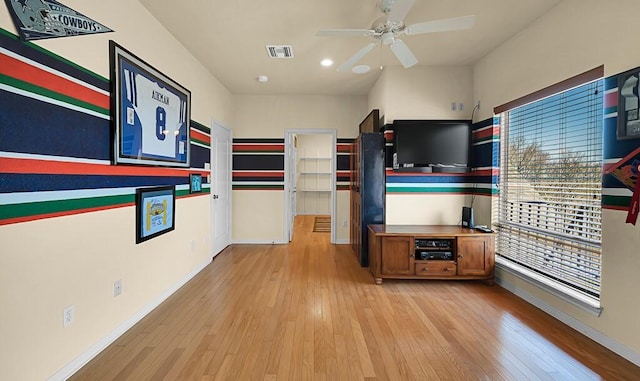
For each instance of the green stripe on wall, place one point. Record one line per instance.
(621, 201)
(201, 127)
(194, 140)
(57, 206)
(485, 191)
(50, 94)
(185, 192)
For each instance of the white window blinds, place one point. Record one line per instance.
(549, 218)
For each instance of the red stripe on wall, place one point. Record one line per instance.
(19, 70)
(343, 148)
(258, 147)
(195, 134)
(611, 99)
(33, 166)
(487, 132)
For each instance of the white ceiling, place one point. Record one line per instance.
(229, 37)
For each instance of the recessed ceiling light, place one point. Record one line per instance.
(326, 62)
(263, 78)
(361, 69)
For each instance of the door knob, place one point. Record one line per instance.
(215, 196)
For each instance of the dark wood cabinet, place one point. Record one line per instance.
(476, 255)
(430, 252)
(367, 187)
(397, 256)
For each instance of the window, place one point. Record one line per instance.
(549, 210)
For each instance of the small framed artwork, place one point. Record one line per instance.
(155, 212)
(195, 183)
(629, 104)
(150, 113)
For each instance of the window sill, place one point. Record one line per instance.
(577, 299)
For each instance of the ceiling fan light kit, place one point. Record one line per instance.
(361, 69)
(387, 28)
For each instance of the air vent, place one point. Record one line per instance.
(280, 51)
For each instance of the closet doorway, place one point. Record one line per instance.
(310, 176)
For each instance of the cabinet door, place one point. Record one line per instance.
(356, 223)
(397, 256)
(475, 255)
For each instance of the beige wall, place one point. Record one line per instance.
(258, 216)
(268, 116)
(49, 264)
(424, 209)
(575, 36)
(423, 92)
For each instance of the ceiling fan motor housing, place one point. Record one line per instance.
(382, 25)
(385, 5)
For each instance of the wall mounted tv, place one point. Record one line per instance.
(431, 145)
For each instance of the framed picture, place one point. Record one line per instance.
(155, 212)
(629, 104)
(195, 183)
(150, 113)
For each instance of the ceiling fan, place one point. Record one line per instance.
(387, 28)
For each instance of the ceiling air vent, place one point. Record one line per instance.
(280, 51)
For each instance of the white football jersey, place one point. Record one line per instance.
(161, 114)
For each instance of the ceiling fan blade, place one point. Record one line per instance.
(403, 53)
(399, 10)
(356, 57)
(345, 33)
(442, 25)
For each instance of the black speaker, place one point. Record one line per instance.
(467, 217)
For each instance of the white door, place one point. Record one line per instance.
(292, 180)
(220, 188)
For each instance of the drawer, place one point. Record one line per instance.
(436, 268)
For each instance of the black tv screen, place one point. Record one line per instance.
(435, 143)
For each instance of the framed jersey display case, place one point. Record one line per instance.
(155, 212)
(629, 104)
(150, 113)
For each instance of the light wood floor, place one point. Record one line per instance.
(308, 311)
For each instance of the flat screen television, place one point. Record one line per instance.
(431, 145)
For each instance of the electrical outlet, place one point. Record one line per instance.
(454, 106)
(478, 105)
(68, 316)
(460, 106)
(344, 223)
(193, 246)
(117, 288)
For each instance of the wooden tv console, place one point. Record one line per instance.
(430, 252)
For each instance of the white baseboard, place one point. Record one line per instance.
(572, 322)
(80, 361)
